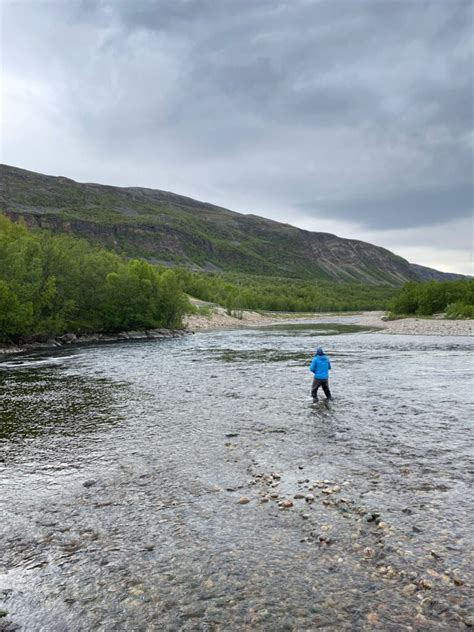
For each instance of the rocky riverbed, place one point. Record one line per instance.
(189, 484)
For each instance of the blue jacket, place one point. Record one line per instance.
(320, 366)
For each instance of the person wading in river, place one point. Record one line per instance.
(320, 366)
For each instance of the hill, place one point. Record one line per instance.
(173, 229)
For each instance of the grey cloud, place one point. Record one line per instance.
(416, 207)
(333, 108)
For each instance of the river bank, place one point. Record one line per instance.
(71, 339)
(219, 319)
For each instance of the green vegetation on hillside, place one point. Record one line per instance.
(456, 298)
(164, 227)
(51, 284)
(237, 291)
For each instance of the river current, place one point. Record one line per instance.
(126, 470)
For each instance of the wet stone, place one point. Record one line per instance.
(89, 483)
(410, 589)
(244, 500)
(426, 584)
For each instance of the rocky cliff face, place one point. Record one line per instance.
(166, 227)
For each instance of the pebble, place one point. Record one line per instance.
(274, 495)
(372, 618)
(89, 483)
(410, 589)
(306, 516)
(244, 500)
(458, 581)
(424, 583)
(264, 499)
(286, 504)
(298, 495)
(309, 498)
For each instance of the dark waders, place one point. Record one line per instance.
(324, 385)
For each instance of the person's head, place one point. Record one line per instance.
(319, 351)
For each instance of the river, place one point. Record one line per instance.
(124, 467)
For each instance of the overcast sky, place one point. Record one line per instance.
(347, 116)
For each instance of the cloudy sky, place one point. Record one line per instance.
(347, 116)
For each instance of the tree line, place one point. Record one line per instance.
(455, 298)
(241, 291)
(52, 284)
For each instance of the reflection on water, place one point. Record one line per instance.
(35, 402)
(168, 436)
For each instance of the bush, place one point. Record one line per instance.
(425, 299)
(50, 284)
(459, 310)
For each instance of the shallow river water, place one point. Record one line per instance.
(123, 466)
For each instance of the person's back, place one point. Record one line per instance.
(320, 367)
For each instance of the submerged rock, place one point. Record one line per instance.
(426, 584)
(410, 589)
(244, 500)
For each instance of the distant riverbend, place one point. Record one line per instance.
(220, 319)
(188, 483)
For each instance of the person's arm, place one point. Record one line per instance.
(312, 367)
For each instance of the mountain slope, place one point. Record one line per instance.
(166, 227)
